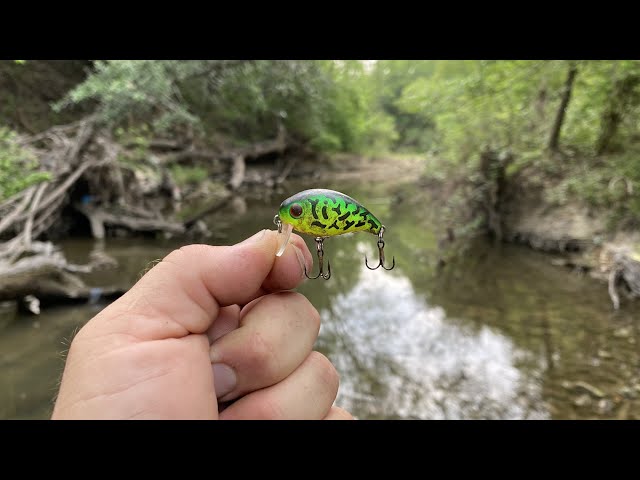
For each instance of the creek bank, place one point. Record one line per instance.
(516, 207)
(577, 235)
(100, 186)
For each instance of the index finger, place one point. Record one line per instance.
(184, 292)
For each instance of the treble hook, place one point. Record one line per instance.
(380, 253)
(320, 249)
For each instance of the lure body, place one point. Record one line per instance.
(327, 213)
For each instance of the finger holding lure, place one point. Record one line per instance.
(327, 213)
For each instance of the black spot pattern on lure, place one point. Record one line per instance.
(313, 208)
(348, 225)
(318, 224)
(324, 213)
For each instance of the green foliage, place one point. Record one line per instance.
(613, 185)
(347, 118)
(412, 130)
(451, 110)
(183, 175)
(477, 104)
(604, 89)
(135, 90)
(512, 104)
(326, 103)
(135, 143)
(18, 167)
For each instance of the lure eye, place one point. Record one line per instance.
(295, 210)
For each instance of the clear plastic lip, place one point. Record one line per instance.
(283, 238)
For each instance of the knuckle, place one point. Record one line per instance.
(193, 249)
(303, 313)
(260, 356)
(325, 371)
(313, 316)
(269, 409)
(180, 255)
(341, 413)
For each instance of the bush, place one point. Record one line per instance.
(18, 166)
(188, 175)
(327, 103)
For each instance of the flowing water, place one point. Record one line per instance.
(499, 333)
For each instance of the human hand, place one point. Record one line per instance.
(149, 354)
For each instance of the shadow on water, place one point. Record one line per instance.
(498, 333)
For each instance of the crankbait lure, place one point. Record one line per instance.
(327, 213)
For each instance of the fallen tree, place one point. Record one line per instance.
(44, 273)
(87, 177)
(621, 265)
(236, 157)
(99, 217)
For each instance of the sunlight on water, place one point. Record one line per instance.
(401, 356)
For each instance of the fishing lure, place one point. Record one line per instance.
(327, 213)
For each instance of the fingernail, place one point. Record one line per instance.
(224, 379)
(300, 256)
(254, 238)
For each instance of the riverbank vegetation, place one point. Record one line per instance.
(97, 147)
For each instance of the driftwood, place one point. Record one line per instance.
(237, 172)
(237, 157)
(47, 275)
(286, 170)
(624, 272)
(85, 174)
(240, 156)
(32, 270)
(72, 153)
(26, 212)
(98, 218)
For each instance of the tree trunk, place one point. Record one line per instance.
(619, 100)
(554, 139)
(541, 103)
(493, 168)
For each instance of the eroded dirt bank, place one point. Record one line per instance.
(579, 236)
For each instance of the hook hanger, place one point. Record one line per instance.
(380, 253)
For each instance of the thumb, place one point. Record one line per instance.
(184, 292)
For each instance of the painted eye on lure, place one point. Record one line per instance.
(327, 213)
(295, 210)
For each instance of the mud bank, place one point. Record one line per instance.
(579, 236)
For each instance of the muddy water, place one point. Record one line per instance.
(500, 333)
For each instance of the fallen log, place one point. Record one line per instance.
(47, 276)
(237, 157)
(626, 273)
(99, 218)
(286, 170)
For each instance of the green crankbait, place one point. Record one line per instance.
(327, 213)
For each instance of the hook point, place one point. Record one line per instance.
(320, 252)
